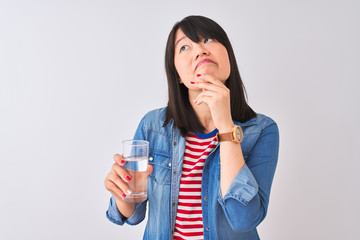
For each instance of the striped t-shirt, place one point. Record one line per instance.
(189, 221)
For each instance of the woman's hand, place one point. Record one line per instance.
(217, 96)
(116, 182)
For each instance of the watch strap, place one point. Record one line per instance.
(224, 137)
(235, 135)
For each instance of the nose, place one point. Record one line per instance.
(200, 50)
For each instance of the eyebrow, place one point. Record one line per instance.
(179, 40)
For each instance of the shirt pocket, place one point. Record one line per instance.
(162, 167)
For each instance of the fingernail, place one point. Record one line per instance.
(122, 162)
(128, 178)
(198, 75)
(192, 82)
(129, 192)
(123, 195)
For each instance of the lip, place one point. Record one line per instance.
(206, 60)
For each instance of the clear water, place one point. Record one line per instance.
(136, 163)
(136, 167)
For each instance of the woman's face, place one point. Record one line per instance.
(208, 56)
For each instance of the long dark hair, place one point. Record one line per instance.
(179, 108)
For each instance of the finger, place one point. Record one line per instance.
(119, 159)
(116, 192)
(209, 86)
(213, 91)
(112, 187)
(211, 79)
(121, 172)
(204, 99)
(122, 185)
(204, 94)
(150, 169)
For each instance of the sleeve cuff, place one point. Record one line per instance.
(116, 217)
(113, 213)
(243, 188)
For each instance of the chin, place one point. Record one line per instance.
(209, 71)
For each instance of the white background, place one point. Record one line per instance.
(77, 76)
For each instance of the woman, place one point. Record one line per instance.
(212, 158)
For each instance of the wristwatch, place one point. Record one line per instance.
(236, 135)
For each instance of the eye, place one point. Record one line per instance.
(183, 48)
(206, 40)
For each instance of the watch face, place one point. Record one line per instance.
(238, 133)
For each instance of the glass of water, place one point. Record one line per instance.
(136, 154)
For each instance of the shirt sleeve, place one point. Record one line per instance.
(116, 217)
(246, 201)
(138, 216)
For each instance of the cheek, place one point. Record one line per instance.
(228, 67)
(181, 68)
(177, 64)
(225, 66)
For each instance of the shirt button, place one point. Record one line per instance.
(173, 204)
(175, 172)
(169, 164)
(207, 228)
(174, 143)
(205, 198)
(151, 158)
(207, 166)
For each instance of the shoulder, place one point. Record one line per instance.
(259, 131)
(264, 121)
(258, 123)
(154, 121)
(156, 115)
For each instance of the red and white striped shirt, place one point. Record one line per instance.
(189, 221)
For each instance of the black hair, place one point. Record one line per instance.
(179, 108)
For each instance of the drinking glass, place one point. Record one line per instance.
(136, 154)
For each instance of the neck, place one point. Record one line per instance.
(203, 113)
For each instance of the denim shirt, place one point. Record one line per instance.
(234, 216)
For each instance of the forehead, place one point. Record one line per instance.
(179, 35)
(195, 34)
